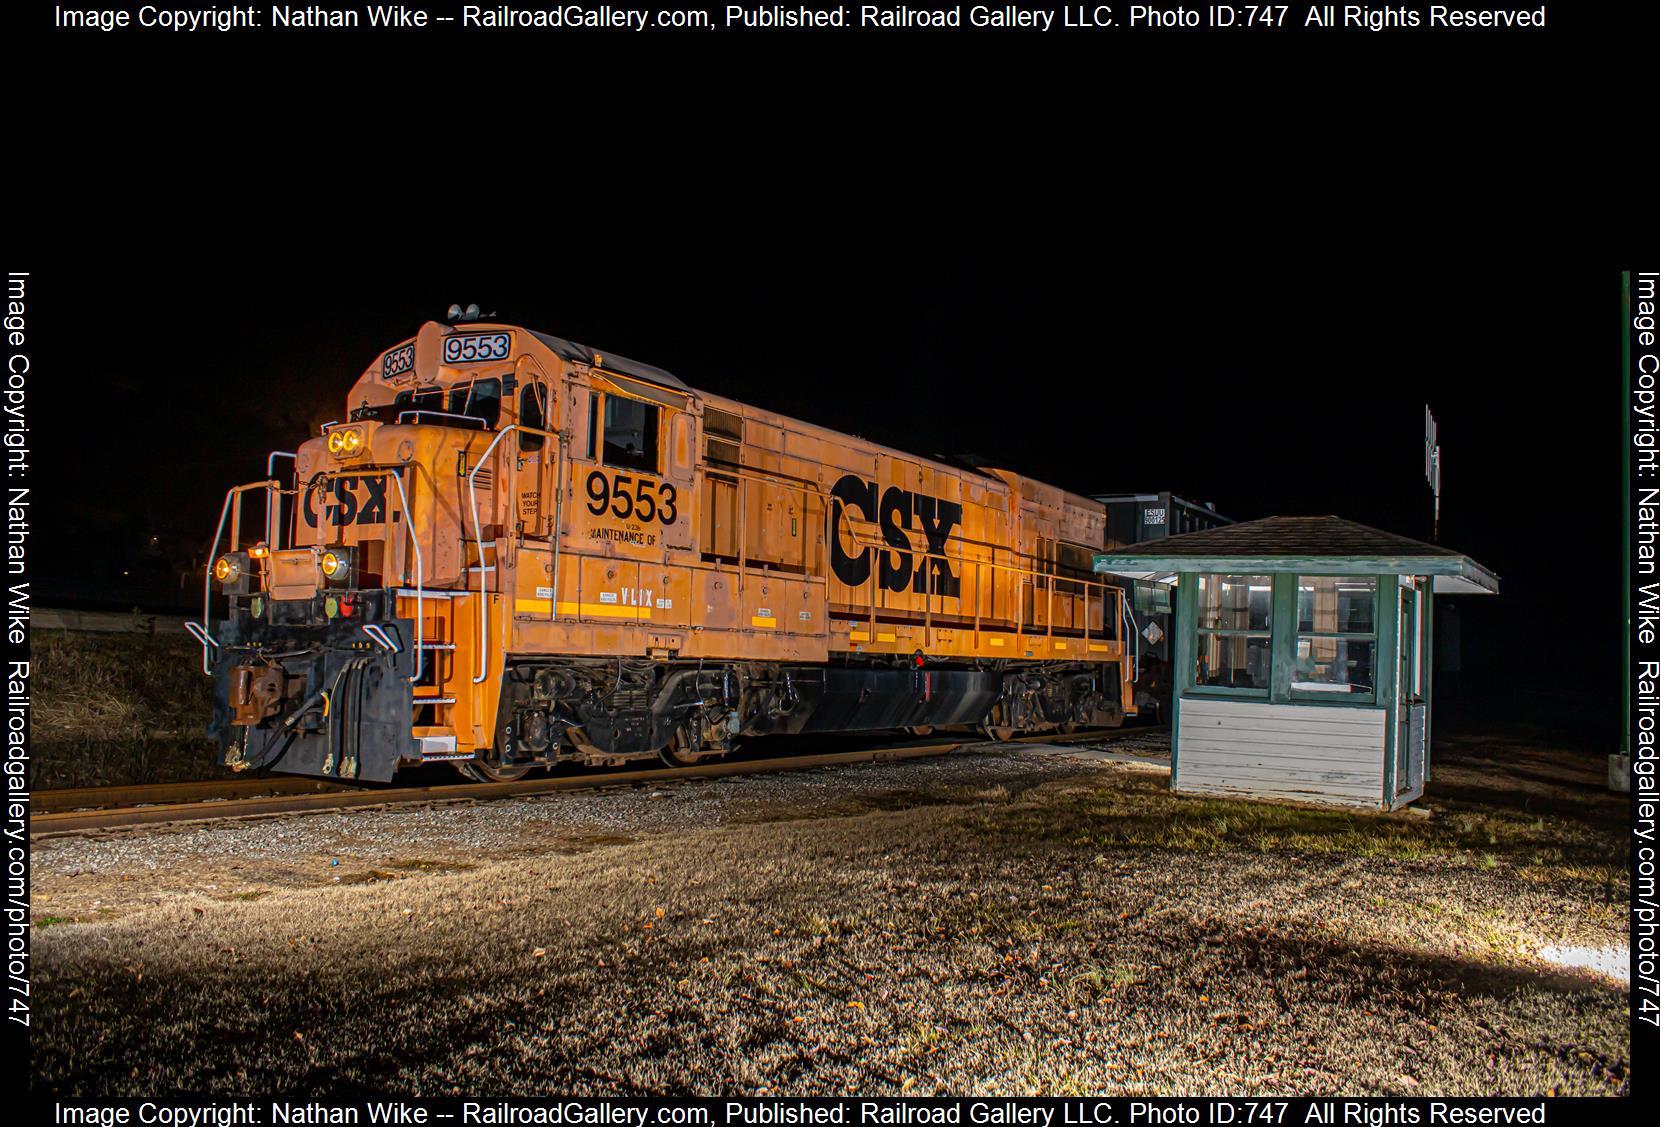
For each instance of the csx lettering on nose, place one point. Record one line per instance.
(342, 505)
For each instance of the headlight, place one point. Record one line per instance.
(345, 443)
(225, 569)
(336, 564)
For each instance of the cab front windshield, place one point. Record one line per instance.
(469, 404)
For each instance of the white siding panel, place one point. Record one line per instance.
(1281, 751)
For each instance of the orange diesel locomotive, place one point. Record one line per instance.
(516, 551)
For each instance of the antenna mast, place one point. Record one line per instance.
(1432, 468)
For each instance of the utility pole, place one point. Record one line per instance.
(1432, 469)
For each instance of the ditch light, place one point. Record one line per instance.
(232, 570)
(338, 564)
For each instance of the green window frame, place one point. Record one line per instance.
(1318, 602)
(1233, 636)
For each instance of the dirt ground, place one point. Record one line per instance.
(1006, 921)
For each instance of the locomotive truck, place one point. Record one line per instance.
(514, 551)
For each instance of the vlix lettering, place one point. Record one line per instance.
(893, 513)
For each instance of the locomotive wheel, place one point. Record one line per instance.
(680, 752)
(1001, 735)
(921, 730)
(481, 771)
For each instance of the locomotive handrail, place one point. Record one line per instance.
(884, 546)
(272, 486)
(478, 534)
(419, 411)
(273, 502)
(213, 550)
(1127, 615)
(420, 589)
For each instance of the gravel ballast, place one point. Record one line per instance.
(1002, 921)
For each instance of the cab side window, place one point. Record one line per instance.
(533, 412)
(626, 432)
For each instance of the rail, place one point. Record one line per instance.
(79, 811)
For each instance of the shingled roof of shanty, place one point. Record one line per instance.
(1290, 536)
(1313, 545)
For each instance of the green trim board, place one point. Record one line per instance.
(1187, 606)
(1468, 576)
(1426, 632)
(1317, 545)
(1388, 660)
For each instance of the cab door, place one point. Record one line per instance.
(633, 467)
(536, 462)
(1409, 691)
(679, 466)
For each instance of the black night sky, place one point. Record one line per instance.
(1262, 384)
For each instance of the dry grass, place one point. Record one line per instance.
(1085, 935)
(119, 708)
(1143, 814)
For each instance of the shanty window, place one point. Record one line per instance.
(1337, 637)
(1235, 633)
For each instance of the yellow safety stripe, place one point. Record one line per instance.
(576, 610)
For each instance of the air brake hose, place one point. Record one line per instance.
(357, 716)
(282, 751)
(306, 706)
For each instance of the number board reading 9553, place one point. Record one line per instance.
(626, 498)
(476, 348)
(398, 361)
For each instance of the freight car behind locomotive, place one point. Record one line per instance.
(516, 551)
(1136, 518)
